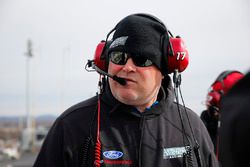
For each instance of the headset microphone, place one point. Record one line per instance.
(120, 80)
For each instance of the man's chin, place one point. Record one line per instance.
(127, 98)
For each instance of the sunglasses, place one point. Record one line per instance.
(121, 58)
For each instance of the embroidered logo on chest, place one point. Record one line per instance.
(112, 154)
(174, 152)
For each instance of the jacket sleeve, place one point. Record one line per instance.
(52, 151)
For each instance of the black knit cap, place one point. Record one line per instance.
(141, 35)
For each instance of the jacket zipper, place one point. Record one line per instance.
(142, 122)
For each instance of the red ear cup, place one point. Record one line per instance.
(213, 99)
(99, 60)
(179, 59)
(217, 86)
(214, 96)
(221, 86)
(225, 82)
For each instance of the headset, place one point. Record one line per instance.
(175, 55)
(221, 86)
(217, 90)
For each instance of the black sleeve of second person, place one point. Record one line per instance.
(211, 125)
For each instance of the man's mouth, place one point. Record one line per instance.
(129, 79)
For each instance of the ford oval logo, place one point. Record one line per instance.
(113, 154)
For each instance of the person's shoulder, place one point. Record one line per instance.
(186, 110)
(191, 116)
(191, 113)
(81, 108)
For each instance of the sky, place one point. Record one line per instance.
(65, 33)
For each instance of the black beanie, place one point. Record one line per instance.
(141, 35)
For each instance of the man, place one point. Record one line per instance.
(218, 89)
(134, 121)
(235, 125)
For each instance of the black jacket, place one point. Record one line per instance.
(234, 139)
(154, 138)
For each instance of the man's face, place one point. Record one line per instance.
(142, 84)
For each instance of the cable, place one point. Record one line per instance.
(176, 80)
(197, 146)
(86, 148)
(187, 156)
(98, 144)
(180, 115)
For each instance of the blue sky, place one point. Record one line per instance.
(65, 33)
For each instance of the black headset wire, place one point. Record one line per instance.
(187, 156)
(180, 115)
(197, 146)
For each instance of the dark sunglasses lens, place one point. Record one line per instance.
(142, 61)
(118, 58)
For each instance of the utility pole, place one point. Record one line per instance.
(28, 131)
(29, 55)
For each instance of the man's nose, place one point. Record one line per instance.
(129, 66)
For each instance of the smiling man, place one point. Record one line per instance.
(132, 123)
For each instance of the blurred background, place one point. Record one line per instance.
(45, 44)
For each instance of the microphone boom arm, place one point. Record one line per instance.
(120, 80)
